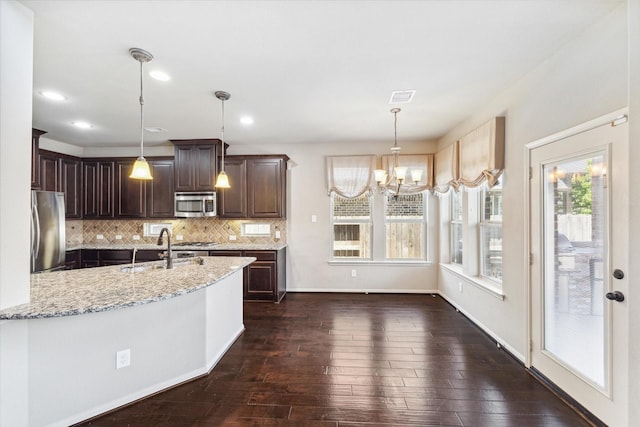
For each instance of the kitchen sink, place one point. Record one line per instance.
(177, 263)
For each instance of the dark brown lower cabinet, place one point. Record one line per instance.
(265, 278)
(104, 257)
(73, 259)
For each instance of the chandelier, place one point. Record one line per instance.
(392, 183)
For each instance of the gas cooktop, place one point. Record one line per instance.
(198, 244)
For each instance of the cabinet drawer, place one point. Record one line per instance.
(225, 253)
(116, 255)
(262, 255)
(149, 254)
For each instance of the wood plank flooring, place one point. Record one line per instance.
(355, 360)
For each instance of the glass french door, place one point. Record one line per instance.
(579, 203)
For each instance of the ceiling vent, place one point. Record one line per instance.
(401, 96)
(155, 130)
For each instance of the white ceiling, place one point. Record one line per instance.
(307, 71)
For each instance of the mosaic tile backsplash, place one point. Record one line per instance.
(191, 230)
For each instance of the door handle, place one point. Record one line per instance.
(615, 296)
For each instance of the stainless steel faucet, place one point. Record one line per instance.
(160, 242)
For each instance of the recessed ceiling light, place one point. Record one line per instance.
(246, 120)
(82, 125)
(160, 75)
(402, 96)
(54, 96)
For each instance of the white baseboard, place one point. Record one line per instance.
(364, 291)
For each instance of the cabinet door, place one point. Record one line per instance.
(195, 166)
(184, 168)
(130, 194)
(71, 184)
(73, 260)
(233, 201)
(160, 192)
(260, 281)
(35, 161)
(97, 189)
(49, 172)
(205, 167)
(265, 188)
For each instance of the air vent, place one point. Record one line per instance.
(401, 96)
(155, 130)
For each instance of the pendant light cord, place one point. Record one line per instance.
(141, 114)
(222, 137)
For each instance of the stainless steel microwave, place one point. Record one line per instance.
(195, 205)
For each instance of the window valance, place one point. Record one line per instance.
(413, 163)
(446, 169)
(481, 154)
(351, 176)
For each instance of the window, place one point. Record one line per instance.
(405, 226)
(351, 223)
(491, 233)
(456, 227)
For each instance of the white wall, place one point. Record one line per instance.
(16, 64)
(586, 79)
(634, 204)
(16, 76)
(309, 243)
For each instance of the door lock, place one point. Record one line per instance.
(615, 296)
(618, 274)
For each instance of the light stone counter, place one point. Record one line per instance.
(73, 292)
(149, 246)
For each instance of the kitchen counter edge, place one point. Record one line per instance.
(92, 290)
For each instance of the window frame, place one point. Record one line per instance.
(456, 223)
(484, 224)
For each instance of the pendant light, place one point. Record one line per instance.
(223, 180)
(140, 168)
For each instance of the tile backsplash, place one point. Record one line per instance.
(191, 229)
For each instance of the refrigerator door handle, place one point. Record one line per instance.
(35, 231)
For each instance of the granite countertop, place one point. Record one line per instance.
(151, 246)
(89, 290)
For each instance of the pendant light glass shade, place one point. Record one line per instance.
(222, 181)
(141, 168)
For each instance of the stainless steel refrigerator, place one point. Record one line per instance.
(47, 231)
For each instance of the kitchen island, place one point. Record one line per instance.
(165, 326)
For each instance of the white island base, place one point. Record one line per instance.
(63, 369)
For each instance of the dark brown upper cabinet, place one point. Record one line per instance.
(98, 179)
(258, 187)
(59, 172)
(195, 164)
(71, 185)
(130, 194)
(35, 166)
(160, 189)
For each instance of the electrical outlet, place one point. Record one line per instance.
(277, 234)
(136, 237)
(232, 237)
(123, 358)
(314, 218)
(118, 236)
(99, 237)
(354, 273)
(179, 237)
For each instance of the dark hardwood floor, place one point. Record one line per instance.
(356, 360)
